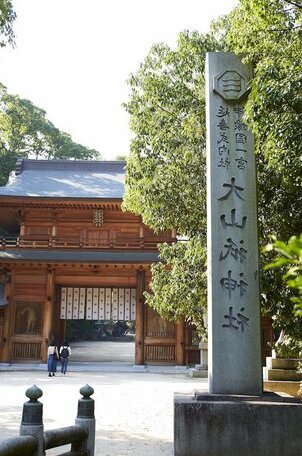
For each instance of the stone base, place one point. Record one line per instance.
(225, 425)
(198, 372)
(276, 386)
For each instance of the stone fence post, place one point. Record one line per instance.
(85, 416)
(32, 418)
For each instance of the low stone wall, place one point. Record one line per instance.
(215, 425)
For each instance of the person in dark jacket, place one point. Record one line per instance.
(64, 356)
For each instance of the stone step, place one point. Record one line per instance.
(283, 374)
(291, 388)
(282, 363)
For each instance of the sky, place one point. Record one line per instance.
(73, 58)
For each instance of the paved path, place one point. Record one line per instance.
(134, 410)
(103, 351)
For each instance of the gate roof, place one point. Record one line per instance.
(66, 179)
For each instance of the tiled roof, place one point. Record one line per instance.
(66, 179)
(65, 256)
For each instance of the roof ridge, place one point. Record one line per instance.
(23, 164)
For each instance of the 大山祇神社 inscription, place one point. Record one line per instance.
(233, 282)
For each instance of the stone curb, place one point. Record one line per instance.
(98, 367)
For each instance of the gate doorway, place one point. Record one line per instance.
(101, 341)
(103, 351)
(99, 323)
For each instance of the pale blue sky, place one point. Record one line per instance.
(73, 58)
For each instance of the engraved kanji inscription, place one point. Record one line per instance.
(231, 284)
(233, 250)
(235, 189)
(233, 222)
(240, 321)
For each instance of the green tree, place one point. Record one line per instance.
(268, 33)
(165, 180)
(26, 132)
(7, 18)
(288, 257)
(179, 284)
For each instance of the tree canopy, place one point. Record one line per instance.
(166, 168)
(26, 132)
(288, 256)
(268, 33)
(7, 18)
(165, 179)
(179, 284)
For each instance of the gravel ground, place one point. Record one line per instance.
(134, 411)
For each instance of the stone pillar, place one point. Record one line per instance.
(233, 271)
(32, 418)
(85, 416)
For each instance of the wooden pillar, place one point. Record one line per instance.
(173, 234)
(22, 229)
(54, 224)
(140, 318)
(48, 330)
(141, 237)
(180, 343)
(21, 219)
(7, 323)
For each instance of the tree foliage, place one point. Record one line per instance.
(166, 168)
(289, 259)
(268, 33)
(7, 18)
(26, 132)
(179, 284)
(165, 180)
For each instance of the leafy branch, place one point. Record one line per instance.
(289, 257)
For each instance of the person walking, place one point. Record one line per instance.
(65, 352)
(52, 358)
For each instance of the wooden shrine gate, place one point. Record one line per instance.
(157, 340)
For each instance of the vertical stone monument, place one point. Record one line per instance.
(235, 417)
(233, 277)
